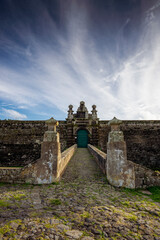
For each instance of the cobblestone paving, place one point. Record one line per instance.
(82, 206)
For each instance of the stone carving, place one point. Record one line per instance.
(115, 135)
(82, 111)
(70, 112)
(82, 107)
(94, 112)
(52, 124)
(115, 124)
(51, 134)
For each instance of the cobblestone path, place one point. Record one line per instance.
(81, 206)
(82, 167)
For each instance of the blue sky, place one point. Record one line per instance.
(59, 52)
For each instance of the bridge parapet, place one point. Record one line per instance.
(100, 157)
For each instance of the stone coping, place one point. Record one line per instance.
(103, 154)
(63, 154)
(100, 121)
(10, 167)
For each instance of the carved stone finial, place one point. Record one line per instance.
(70, 112)
(114, 121)
(94, 112)
(116, 135)
(70, 107)
(115, 124)
(82, 111)
(82, 103)
(52, 123)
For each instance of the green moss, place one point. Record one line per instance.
(55, 202)
(7, 228)
(114, 199)
(132, 218)
(126, 204)
(19, 196)
(47, 225)
(85, 234)
(85, 214)
(3, 203)
(4, 229)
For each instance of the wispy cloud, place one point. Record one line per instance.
(71, 66)
(12, 114)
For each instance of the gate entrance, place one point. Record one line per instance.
(82, 138)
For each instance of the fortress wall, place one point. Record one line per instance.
(20, 141)
(142, 139)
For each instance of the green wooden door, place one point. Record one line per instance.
(82, 138)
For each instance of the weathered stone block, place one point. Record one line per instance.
(119, 172)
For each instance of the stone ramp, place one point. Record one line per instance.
(82, 166)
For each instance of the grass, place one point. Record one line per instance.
(27, 185)
(55, 202)
(154, 190)
(54, 183)
(155, 193)
(2, 184)
(134, 192)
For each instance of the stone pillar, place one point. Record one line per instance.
(44, 170)
(50, 151)
(120, 172)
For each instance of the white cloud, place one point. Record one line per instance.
(9, 113)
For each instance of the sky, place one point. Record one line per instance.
(59, 52)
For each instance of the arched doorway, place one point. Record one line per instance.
(82, 138)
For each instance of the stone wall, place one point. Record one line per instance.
(100, 157)
(145, 177)
(10, 175)
(142, 139)
(20, 141)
